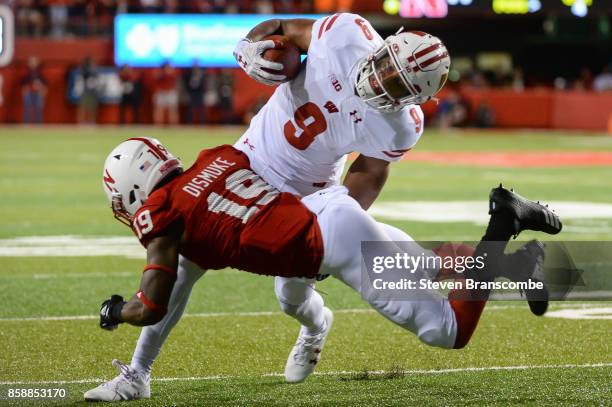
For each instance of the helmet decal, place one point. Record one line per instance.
(156, 149)
(108, 180)
(145, 166)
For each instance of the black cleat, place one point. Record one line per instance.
(527, 263)
(528, 215)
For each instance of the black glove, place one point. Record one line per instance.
(110, 312)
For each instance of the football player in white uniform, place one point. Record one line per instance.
(356, 93)
(300, 139)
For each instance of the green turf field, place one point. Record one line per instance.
(232, 345)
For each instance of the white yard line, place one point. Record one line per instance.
(71, 246)
(332, 373)
(80, 275)
(422, 211)
(476, 211)
(195, 315)
(121, 274)
(491, 307)
(582, 313)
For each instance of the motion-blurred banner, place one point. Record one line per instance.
(150, 40)
(450, 8)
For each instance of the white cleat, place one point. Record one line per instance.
(306, 352)
(129, 385)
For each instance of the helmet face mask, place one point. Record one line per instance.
(391, 80)
(409, 68)
(121, 214)
(131, 172)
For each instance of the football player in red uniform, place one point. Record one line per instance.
(218, 213)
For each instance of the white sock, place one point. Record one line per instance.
(153, 337)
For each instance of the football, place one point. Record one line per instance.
(286, 53)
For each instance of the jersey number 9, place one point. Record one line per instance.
(311, 121)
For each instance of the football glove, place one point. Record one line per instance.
(110, 312)
(250, 58)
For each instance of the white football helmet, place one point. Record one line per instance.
(131, 172)
(409, 68)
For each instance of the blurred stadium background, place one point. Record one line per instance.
(516, 63)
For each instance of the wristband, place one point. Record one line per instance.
(158, 309)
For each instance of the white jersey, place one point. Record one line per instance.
(300, 139)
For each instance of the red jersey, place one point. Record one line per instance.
(232, 218)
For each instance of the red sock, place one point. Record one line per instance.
(467, 314)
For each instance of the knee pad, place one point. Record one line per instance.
(291, 310)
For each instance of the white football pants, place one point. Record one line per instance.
(344, 225)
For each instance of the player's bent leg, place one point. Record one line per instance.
(467, 315)
(344, 226)
(510, 214)
(133, 382)
(298, 299)
(467, 311)
(153, 337)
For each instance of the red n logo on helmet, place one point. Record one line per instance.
(108, 180)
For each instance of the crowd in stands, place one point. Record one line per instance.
(184, 96)
(455, 110)
(59, 18)
(177, 96)
(187, 95)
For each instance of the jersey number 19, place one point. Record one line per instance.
(257, 190)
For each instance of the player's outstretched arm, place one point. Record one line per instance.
(365, 179)
(149, 305)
